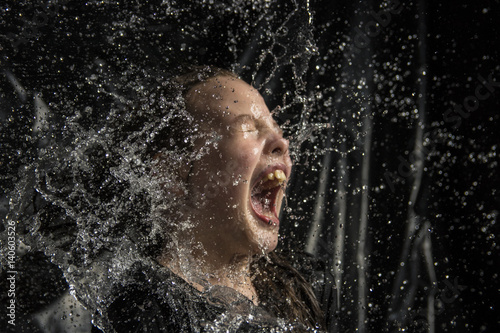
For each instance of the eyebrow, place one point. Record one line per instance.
(246, 117)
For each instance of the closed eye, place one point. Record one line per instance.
(248, 123)
(248, 127)
(245, 123)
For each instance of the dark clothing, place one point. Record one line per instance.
(157, 300)
(153, 299)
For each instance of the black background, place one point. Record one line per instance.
(453, 42)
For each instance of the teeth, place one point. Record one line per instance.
(279, 175)
(272, 179)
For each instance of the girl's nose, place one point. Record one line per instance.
(276, 144)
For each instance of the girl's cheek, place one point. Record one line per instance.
(241, 167)
(249, 157)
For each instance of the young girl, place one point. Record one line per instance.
(215, 268)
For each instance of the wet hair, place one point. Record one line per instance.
(283, 290)
(144, 118)
(81, 182)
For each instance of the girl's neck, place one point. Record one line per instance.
(200, 270)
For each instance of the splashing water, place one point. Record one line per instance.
(87, 88)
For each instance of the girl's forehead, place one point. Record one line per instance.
(225, 98)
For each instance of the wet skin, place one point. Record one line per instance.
(248, 144)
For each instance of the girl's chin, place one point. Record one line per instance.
(264, 241)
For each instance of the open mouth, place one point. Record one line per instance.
(264, 196)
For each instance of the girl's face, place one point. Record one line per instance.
(237, 188)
